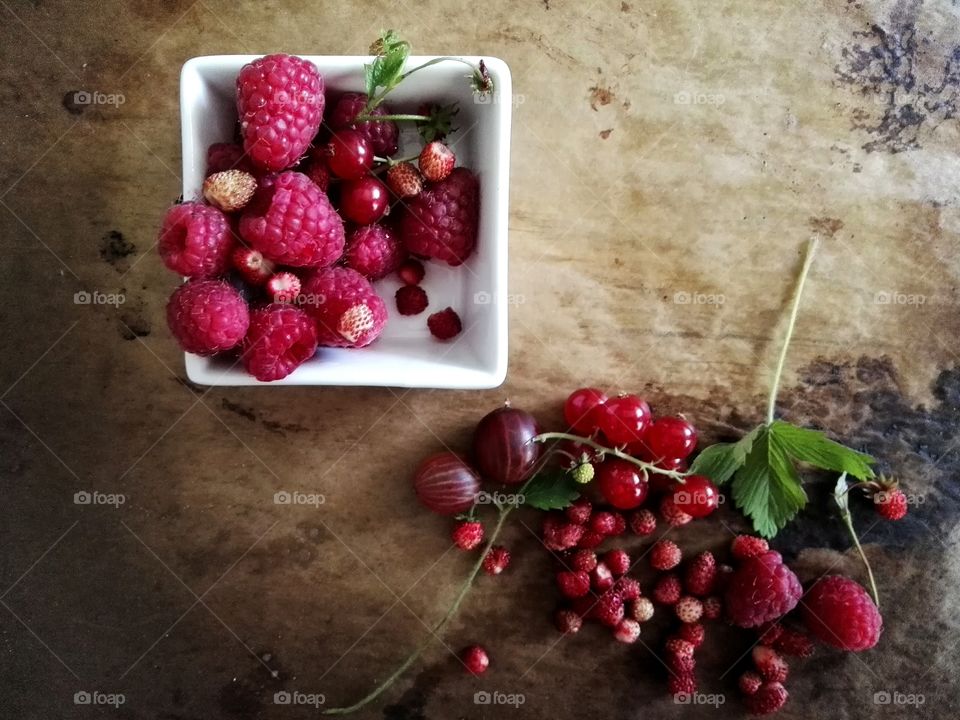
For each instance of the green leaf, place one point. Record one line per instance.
(815, 448)
(767, 488)
(368, 79)
(387, 67)
(551, 491)
(719, 462)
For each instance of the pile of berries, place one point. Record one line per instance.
(297, 222)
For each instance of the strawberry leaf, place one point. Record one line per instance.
(815, 448)
(553, 490)
(719, 462)
(767, 488)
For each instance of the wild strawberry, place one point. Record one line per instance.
(411, 272)
(411, 299)
(619, 524)
(590, 539)
(475, 659)
(496, 560)
(700, 574)
(445, 324)
(601, 578)
(641, 609)
(609, 609)
(283, 287)
(840, 613)
(665, 555)
(712, 608)
(769, 664)
(627, 588)
(643, 522)
(618, 561)
(685, 684)
(678, 647)
(769, 697)
(890, 504)
(604, 523)
(681, 664)
(573, 584)
(748, 546)
(404, 180)
(749, 682)
(579, 511)
(769, 633)
(688, 609)
(693, 633)
(671, 514)
(667, 590)
(627, 631)
(585, 560)
(253, 267)
(436, 161)
(794, 643)
(567, 621)
(229, 190)
(584, 606)
(468, 534)
(561, 535)
(582, 473)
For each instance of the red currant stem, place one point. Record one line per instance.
(791, 322)
(428, 63)
(365, 117)
(390, 162)
(649, 467)
(848, 521)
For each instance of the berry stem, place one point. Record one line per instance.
(791, 322)
(848, 521)
(649, 467)
(366, 117)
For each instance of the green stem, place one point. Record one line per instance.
(366, 117)
(649, 467)
(410, 72)
(797, 294)
(848, 521)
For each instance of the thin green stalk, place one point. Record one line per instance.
(366, 117)
(649, 467)
(797, 294)
(848, 521)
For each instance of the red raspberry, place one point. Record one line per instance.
(280, 102)
(712, 608)
(468, 534)
(671, 514)
(374, 251)
(441, 222)
(618, 561)
(585, 560)
(688, 609)
(253, 267)
(579, 511)
(381, 134)
(559, 535)
(761, 589)
(794, 643)
(749, 683)
(769, 633)
(667, 590)
(641, 609)
(643, 522)
(590, 539)
(445, 324)
(748, 546)
(840, 613)
(665, 555)
(207, 316)
(684, 684)
(568, 621)
(678, 647)
(348, 311)
(573, 584)
(436, 161)
(627, 631)
(292, 222)
(628, 588)
(318, 172)
(227, 156)
(609, 609)
(496, 560)
(283, 287)
(681, 665)
(769, 697)
(404, 180)
(890, 504)
(700, 574)
(280, 339)
(693, 633)
(601, 577)
(769, 663)
(411, 299)
(475, 659)
(604, 522)
(195, 240)
(411, 272)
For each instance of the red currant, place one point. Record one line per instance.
(621, 483)
(364, 201)
(349, 155)
(624, 419)
(697, 496)
(580, 407)
(669, 437)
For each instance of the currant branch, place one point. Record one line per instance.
(616, 452)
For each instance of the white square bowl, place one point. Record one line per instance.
(405, 355)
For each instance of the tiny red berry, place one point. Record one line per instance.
(253, 267)
(560, 535)
(671, 514)
(468, 535)
(364, 201)
(404, 180)
(475, 659)
(496, 560)
(621, 483)
(769, 664)
(693, 633)
(700, 574)
(712, 608)
(609, 609)
(411, 272)
(603, 522)
(573, 583)
(643, 522)
(436, 161)
(283, 287)
(669, 437)
(890, 504)
(628, 588)
(411, 300)
(601, 578)
(697, 496)
(688, 609)
(667, 590)
(665, 555)
(445, 324)
(624, 419)
(627, 631)
(349, 155)
(585, 560)
(590, 539)
(678, 647)
(579, 511)
(748, 546)
(791, 642)
(641, 609)
(682, 685)
(618, 561)
(579, 410)
(749, 682)
(568, 621)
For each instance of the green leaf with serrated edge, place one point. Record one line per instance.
(551, 491)
(719, 462)
(368, 82)
(767, 488)
(815, 448)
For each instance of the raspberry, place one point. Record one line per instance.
(761, 589)
(749, 683)
(678, 647)
(291, 221)
(791, 642)
(280, 339)
(671, 514)
(207, 316)
(641, 609)
(688, 609)
(475, 659)
(609, 609)
(374, 251)
(665, 555)
(411, 299)
(628, 588)
(769, 664)
(283, 287)
(561, 536)
(381, 134)
(684, 684)
(229, 190)
(280, 102)
(585, 560)
(411, 272)
(643, 522)
(681, 665)
(436, 161)
(579, 511)
(227, 156)
(590, 539)
(748, 546)
(840, 613)
(445, 324)
(253, 267)
(348, 311)
(568, 621)
(700, 574)
(712, 608)
(769, 633)
(693, 633)
(601, 578)
(195, 240)
(573, 584)
(667, 590)
(890, 504)
(618, 561)
(404, 180)
(468, 535)
(627, 631)
(319, 173)
(604, 523)
(496, 560)
(769, 697)
(441, 222)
